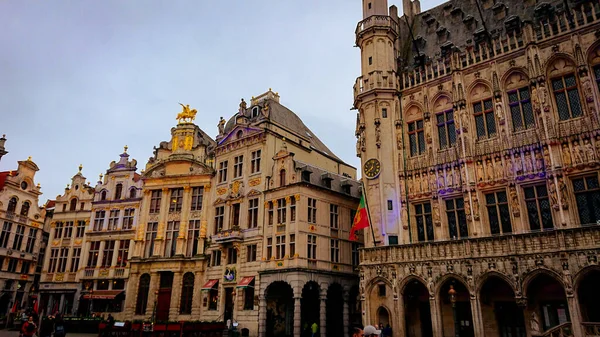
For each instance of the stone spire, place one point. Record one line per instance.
(2, 149)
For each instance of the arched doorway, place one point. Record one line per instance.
(354, 305)
(280, 310)
(499, 309)
(335, 316)
(310, 306)
(383, 316)
(417, 311)
(589, 296)
(547, 303)
(456, 309)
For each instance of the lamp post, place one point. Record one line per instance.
(91, 299)
(452, 295)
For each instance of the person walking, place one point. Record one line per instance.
(59, 326)
(314, 328)
(29, 328)
(371, 331)
(357, 332)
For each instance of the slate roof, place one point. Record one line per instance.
(318, 177)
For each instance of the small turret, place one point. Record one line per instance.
(374, 7)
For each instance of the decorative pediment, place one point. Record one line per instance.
(219, 201)
(253, 193)
(239, 132)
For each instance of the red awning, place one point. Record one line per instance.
(102, 295)
(245, 282)
(210, 284)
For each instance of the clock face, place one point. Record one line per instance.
(372, 168)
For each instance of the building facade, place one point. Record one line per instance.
(478, 132)
(60, 289)
(109, 237)
(20, 240)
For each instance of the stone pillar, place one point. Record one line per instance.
(297, 316)
(197, 305)
(477, 317)
(346, 314)
(152, 292)
(262, 316)
(115, 257)
(101, 251)
(175, 295)
(61, 303)
(398, 324)
(436, 318)
(575, 314)
(323, 314)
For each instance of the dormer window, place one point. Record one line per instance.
(118, 191)
(326, 178)
(282, 178)
(239, 134)
(12, 205)
(255, 112)
(132, 193)
(73, 204)
(25, 208)
(103, 196)
(306, 176)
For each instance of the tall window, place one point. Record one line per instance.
(213, 296)
(75, 260)
(238, 165)
(270, 213)
(98, 220)
(118, 191)
(235, 215)
(25, 208)
(92, 260)
(58, 230)
(176, 200)
(142, 296)
(18, 237)
(30, 240)
(68, 229)
(457, 220)
(222, 171)
(171, 238)
(73, 206)
(107, 254)
(251, 251)
(231, 255)
(123, 254)
(25, 267)
(255, 162)
(333, 216)
(151, 229)
(281, 211)
(62, 260)
(498, 213)
(292, 245)
(102, 195)
(355, 254)
(12, 205)
(566, 95)
(446, 128)
(193, 237)
(312, 210)
(53, 260)
(219, 218)
(155, 198)
(187, 294)
(424, 222)
(521, 111)
(113, 219)
(253, 213)
(216, 258)
(249, 296)
(335, 250)
(484, 118)
(197, 196)
(280, 247)
(282, 178)
(311, 247)
(587, 197)
(293, 209)
(128, 218)
(269, 248)
(5, 235)
(416, 137)
(132, 193)
(80, 229)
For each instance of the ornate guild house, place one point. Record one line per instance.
(478, 130)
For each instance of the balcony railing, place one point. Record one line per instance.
(380, 21)
(496, 246)
(229, 235)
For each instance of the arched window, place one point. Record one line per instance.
(132, 193)
(73, 204)
(142, 297)
(118, 191)
(25, 208)
(444, 118)
(565, 88)
(519, 101)
(483, 111)
(282, 178)
(187, 292)
(103, 196)
(239, 134)
(12, 205)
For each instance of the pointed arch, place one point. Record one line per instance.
(514, 78)
(479, 89)
(442, 280)
(532, 275)
(556, 61)
(482, 279)
(581, 274)
(407, 280)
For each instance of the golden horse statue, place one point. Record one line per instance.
(187, 115)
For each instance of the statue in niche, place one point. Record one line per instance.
(562, 187)
(528, 162)
(518, 164)
(432, 181)
(436, 213)
(468, 209)
(480, 175)
(455, 176)
(579, 156)
(431, 287)
(441, 179)
(425, 181)
(418, 183)
(489, 169)
(409, 181)
(514, 201)
(588, 91)
(547, 157)
(597, 143)
(363, 141)
(589, 150)
(566, 155)
(567, 279)
(221, 126)
(539, 161)
(450, 176)
(534, 323)
(428, 138)
(464, 119)
(499, 109)
(509, 165)
(543, 95)
(377, 134)
(553, 196)
(475, 207)
(463, 173)
(499, 170)
(535, 102)
(399, 139)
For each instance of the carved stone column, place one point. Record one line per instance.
(477, 317)
(297, 316)
(346, 314)
(175, 295)
(323, 314)
(152, 293)
(262, 316)
(575, 314)
(436, 318)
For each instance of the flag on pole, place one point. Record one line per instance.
(361, 219)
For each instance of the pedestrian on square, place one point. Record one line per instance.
(59, 326)
(29, 328)
(357, 332)
(314, 328)
(371, 331)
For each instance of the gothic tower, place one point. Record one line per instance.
(379, 123)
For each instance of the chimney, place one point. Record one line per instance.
(2, 149)
(411, 8)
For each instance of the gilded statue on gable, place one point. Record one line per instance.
(187, 115)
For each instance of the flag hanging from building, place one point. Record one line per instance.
(14, 308)
(35, 307)
(361, 219)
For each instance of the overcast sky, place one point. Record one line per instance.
(80, 79)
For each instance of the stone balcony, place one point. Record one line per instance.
(375, 21)
(105, 273)
(294, 262)
(228, 235)
(376, 80)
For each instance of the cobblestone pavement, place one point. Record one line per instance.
(8, 333)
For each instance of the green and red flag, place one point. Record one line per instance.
(361, 219)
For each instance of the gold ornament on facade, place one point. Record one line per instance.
(186, 188)
(235, 187)
(203, 230)
(221, 190)
(77, 242)
(207, 188)
(288, 199)
(55, 243)
(103, 272)
(165, 189)
(187, 115)
(188, 143)
(59, 277)
(254, 182)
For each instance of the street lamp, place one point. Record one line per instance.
(452, 295)
(91, 299)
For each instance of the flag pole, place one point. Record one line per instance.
(368, 212)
